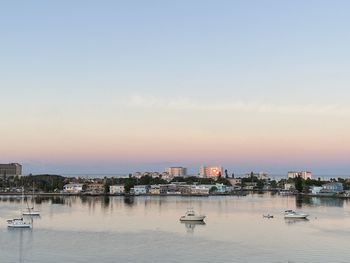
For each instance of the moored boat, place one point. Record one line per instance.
(18, 223)
(294, 214)
(268, 216)
(192, 216)
(30, 212)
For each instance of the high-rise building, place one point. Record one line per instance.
(210, 171)
(10, 169)
(176, 171)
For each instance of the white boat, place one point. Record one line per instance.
(18, 223)
(295, 215)
(192, 216)
(30, 211)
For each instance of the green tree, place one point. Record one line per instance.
(299, 184)
(213, 189)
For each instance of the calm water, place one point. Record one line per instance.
(147, 229)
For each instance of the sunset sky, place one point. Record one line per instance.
(124, 86)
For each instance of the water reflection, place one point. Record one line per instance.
(57, 200)
(129, 200)
(292, 221)
(20, 235)
(190, 226)
(107, 201)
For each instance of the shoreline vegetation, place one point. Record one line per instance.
(55, 185)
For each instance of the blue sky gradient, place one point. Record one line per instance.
(119, 86)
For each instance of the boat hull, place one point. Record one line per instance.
(31, 213)
(18, 226)
(192, 218)
(296, 216)
(18, 223)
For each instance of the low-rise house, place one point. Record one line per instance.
(172, 189)
(332, 188)
(141, 189)
(250, 185)
(289, 186)
(184, 189)
(221, 188)
(200, 189)
(95, 188)
(116, 189)
(73, 188)
(158, 189)
(315, 190)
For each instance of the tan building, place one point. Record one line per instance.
(304, 175)
(210, 171)
(11, 169)
(116, 189)
(96, 188)
(176, 171)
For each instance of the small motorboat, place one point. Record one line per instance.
(18, 223)
(192, 216)
(268, 216)
(295, 215)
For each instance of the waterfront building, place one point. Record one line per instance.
(221, 188)
(332, 188)
(235, 181)
(95, 188)
(304, 174)
(116, 189)
(10, 169)
(210, 171)
(141, 189)
(200, 190)
(315, 189)
(156, 189)
(250, 185)
(176, 171)
(289, 186)
(184, 189)
(73, 188)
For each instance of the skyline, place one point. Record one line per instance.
(118, 87)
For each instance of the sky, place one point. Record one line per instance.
(116, 87)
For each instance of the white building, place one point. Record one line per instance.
(73, 188)
(210, 171)
(315, 190)
(140, 189)
(116, 189)
(200, 189)
(304, 174)
(289, 186)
